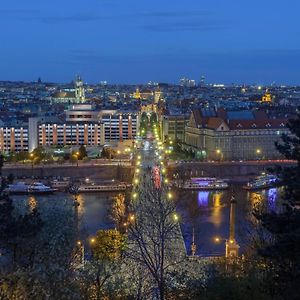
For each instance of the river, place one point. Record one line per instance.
(205, 212)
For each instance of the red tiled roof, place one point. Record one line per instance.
(258, 124)
(214, 122)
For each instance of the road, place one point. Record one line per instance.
(150, 165)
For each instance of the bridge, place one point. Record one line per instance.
(234, 170)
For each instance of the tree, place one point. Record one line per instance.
(82, 152)
(108, 245)
(285, 225)
(108, 152)
(51, 274)
(38, 153)
(17, 229)
(154, 234)
(118, 210)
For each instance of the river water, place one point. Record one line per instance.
(205, 212)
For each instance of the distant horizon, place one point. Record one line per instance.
(154, 81)
(137, 41)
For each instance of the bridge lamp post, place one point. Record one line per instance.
(220, 154)
(258, 153)
(31, 158)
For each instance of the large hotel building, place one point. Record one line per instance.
(234, 135)
(82, 125)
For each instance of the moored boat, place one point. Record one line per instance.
(22, 188)
(102, 187)
(205, 184)
(263, 181)
(60, 184)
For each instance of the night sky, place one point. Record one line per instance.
(134, 41)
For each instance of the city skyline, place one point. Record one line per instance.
(123, 42)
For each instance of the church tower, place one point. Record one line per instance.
(79, 90)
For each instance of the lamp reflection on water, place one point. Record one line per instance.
(81, 209)
(32, 203)
(272, 197)
(203, 198)
(216, 216)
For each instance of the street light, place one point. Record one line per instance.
(32, 158)
(219, 152)
(258, 153)
(131, 217)
(218, 240)
(175, 216)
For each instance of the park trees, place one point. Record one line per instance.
(284, 225)
(82, 153)
(154, 235)
(108, 152)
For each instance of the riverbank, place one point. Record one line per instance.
(100, 172)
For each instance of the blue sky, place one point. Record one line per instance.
(131, 41)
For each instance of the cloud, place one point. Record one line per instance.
(187, 25)
(175, 14)
(88, 17)
(17, 12)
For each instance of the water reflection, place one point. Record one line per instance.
(93, 211)
(208, 213)
(272, 197)
(32, 203)
(203, 199)
(216, 216)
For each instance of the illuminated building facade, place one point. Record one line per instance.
(73, 95)
(239, 135)
(267, 97)
(13, 139)
(81, 127)
(173, 126)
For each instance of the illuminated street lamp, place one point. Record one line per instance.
(258, 153)
(175, 217)
(220, 153)
(132, 217)
(231, 246)
(32, 158)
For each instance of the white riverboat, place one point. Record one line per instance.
(263, 181)
(103, 187)
(205, 184)
(22, 188)
(60, 184)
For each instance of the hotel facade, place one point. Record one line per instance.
(82, 126)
